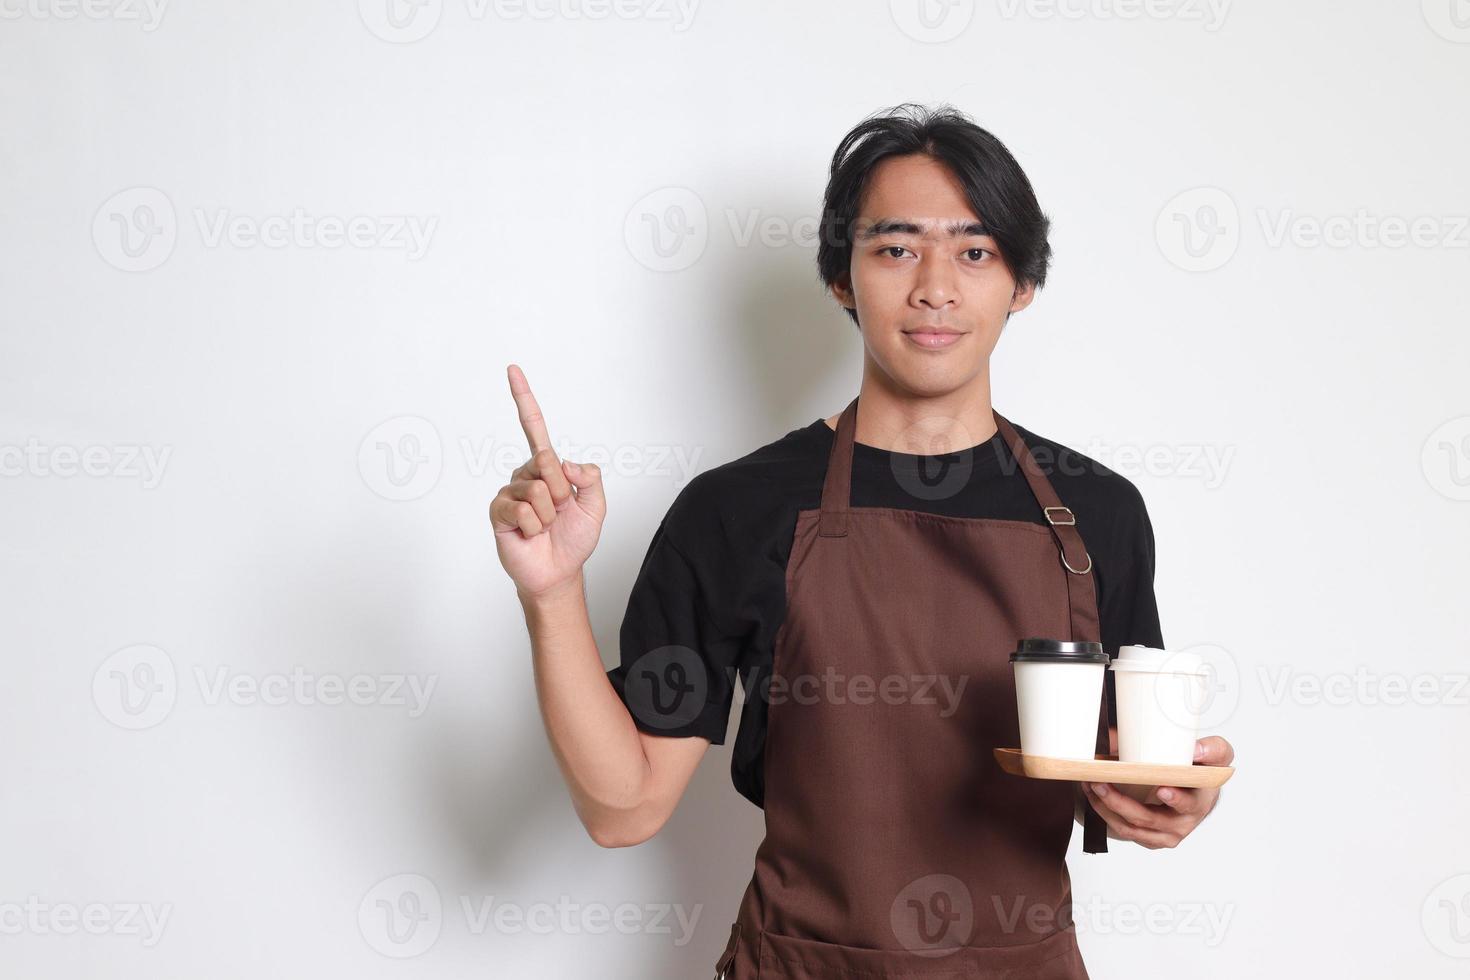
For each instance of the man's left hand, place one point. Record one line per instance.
(1179, 811)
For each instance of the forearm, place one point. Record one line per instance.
(592, 735)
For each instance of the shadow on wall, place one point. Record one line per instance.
(799, 353)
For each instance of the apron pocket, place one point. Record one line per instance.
(788, 958)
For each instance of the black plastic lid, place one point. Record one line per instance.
(1039, 650)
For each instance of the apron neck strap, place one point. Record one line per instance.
(1060, 519)
(837, 488)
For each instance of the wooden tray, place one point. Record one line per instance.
(1107, 769)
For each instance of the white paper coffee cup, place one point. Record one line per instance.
(1059, 685)
(1160, 697)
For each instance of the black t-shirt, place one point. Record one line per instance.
(711, 592)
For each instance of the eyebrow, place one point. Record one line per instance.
(963, 228)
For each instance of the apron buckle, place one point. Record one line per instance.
(1077, 571)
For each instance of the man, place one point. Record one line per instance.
(867, 596)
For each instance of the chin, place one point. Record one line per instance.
(937, 380)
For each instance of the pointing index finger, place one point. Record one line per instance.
(532, 420)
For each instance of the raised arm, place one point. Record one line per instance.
(547, 520)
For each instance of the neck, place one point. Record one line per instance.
(900, 420)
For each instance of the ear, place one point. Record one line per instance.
(841, 291)
(1022, 296)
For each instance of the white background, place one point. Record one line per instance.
(291, 387)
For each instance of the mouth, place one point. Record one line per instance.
(933, 338)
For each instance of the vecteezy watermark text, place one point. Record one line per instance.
(403, 915)
(830, 687)
(402, 458)
(1201, 229)
(137, 687)
(407, 21)
(136, 230)
(1364, 686)
(408, 233)
(1210, 14)
(1095, 915)
(299, 686)
(39, 918)
(146, 13)
(122, 461)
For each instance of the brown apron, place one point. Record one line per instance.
(895, 846)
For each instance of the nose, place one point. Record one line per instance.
(935, 286)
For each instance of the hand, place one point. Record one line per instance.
(1178, 812)
(548, 518)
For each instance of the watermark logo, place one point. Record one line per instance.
(1445, 917)
(667, 687)
(400, 21)
(932, 21)
(1450, 19)
(1207, 702)
(135, 230)
(136, 687)
(667, 230)
(1199, 229)
(402, 458)
(933, 915)
(933, 458)
(401, 916)
(1445, 459)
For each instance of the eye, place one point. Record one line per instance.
(971, 252)
(888, 250)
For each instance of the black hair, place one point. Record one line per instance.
(994, 184)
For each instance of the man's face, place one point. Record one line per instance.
(928, 283)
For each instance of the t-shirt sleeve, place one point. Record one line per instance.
(677, 662)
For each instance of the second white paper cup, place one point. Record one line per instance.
(1160, 697)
